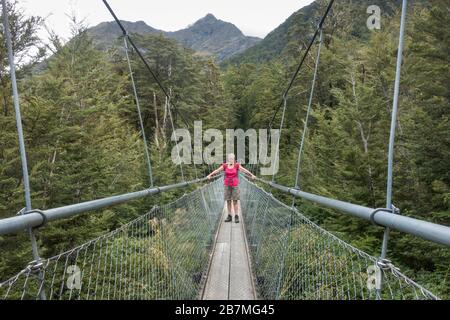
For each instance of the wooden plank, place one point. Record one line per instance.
(229, 275)
(218, 274)
(241, 286)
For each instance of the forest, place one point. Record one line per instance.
(83, 137)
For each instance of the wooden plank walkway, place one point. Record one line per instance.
(230, 275)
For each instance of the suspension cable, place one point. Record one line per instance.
(149, 69)
(302, 61)
(176, 138)
(141, 122)
(277, 148)
(297, 71)
(305, 128)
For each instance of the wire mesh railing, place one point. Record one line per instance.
(163, 254)
(295, 259)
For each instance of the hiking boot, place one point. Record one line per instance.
(229, 218)
(236, 218)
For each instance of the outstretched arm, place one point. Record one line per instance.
(247, 172)
(217, 171)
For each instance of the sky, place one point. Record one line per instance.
(253, 17)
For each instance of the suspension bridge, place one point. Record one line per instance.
(184, 250)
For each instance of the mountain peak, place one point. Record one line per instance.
(209, 20)
(209, 16)
(207, 36)
(210, 25)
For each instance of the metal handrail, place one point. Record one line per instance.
(427, 230)
(36, 218)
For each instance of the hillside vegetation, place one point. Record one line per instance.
(83, 137)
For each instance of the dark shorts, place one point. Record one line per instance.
(232, 193)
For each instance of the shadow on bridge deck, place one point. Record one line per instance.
(230, 276)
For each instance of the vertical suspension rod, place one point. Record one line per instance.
(305, 128)
(141, 122)
(23, 155)
(394, 124)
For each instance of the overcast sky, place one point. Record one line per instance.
(253, 17)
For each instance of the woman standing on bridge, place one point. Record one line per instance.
(231, 182)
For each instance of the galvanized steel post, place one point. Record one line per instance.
(394, 124)
(23, 156)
